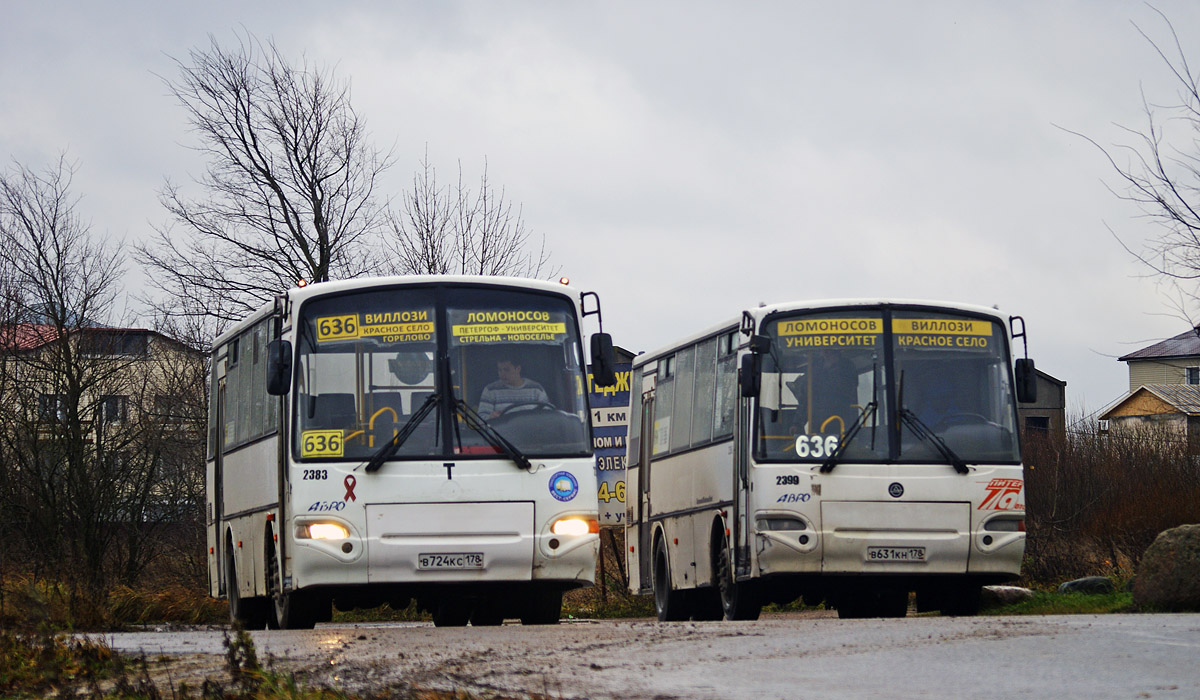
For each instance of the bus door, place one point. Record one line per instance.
(216, 541)
(646, 448)
(742, 535)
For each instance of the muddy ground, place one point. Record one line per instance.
(809, 655)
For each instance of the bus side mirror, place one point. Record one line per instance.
(751, 377)
(1026, 381)
(279, 367)
(604, 360)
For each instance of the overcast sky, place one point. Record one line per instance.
(687, 160)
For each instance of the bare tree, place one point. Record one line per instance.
(444, 230)
(1160, 172)
(290, 189)
(85, 466)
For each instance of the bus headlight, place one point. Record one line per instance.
(322, 531)
(574, 526)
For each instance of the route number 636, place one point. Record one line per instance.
(321, 443)
(816, 446)
(337, 327)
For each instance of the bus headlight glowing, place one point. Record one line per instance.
(322, 531)
(574, 526)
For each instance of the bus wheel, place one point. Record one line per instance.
(250, 613)
(739, 601)
(289, 611)
(542, 607)
(451, 611)
(671, 605)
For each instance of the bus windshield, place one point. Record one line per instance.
(368, 370)
(945, 397)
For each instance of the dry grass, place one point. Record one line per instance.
(28, 603)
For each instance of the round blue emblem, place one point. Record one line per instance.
(563, 486)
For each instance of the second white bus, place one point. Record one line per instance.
(850, 452)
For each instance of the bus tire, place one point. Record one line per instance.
(739, 601)
(669, 604)
(250, 613)
(542, 607)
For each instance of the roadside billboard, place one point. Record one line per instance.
(610, 421)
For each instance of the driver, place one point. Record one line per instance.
(511, 389)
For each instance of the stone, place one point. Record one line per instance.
(1168, 577)
(996, 596)
(1091, 585)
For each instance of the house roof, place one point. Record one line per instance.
(26, 336)
(1186, 344)
(29, 336)
(1048, 378)
(1184, 398)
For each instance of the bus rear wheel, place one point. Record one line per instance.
(669, 604)
(250, 613)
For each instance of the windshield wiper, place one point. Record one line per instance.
(925, 433)
(828, 465)
(476, 422)
(385, 453)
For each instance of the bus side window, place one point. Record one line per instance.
(705, 402)
(634, 443)
(664, 402)
(726, 398)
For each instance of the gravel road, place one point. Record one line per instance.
(785, 656)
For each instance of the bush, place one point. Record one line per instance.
(1094, 501)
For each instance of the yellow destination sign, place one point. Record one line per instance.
(941, 326)
(828, 326)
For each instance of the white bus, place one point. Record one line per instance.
(391, 439)
(849, 452)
